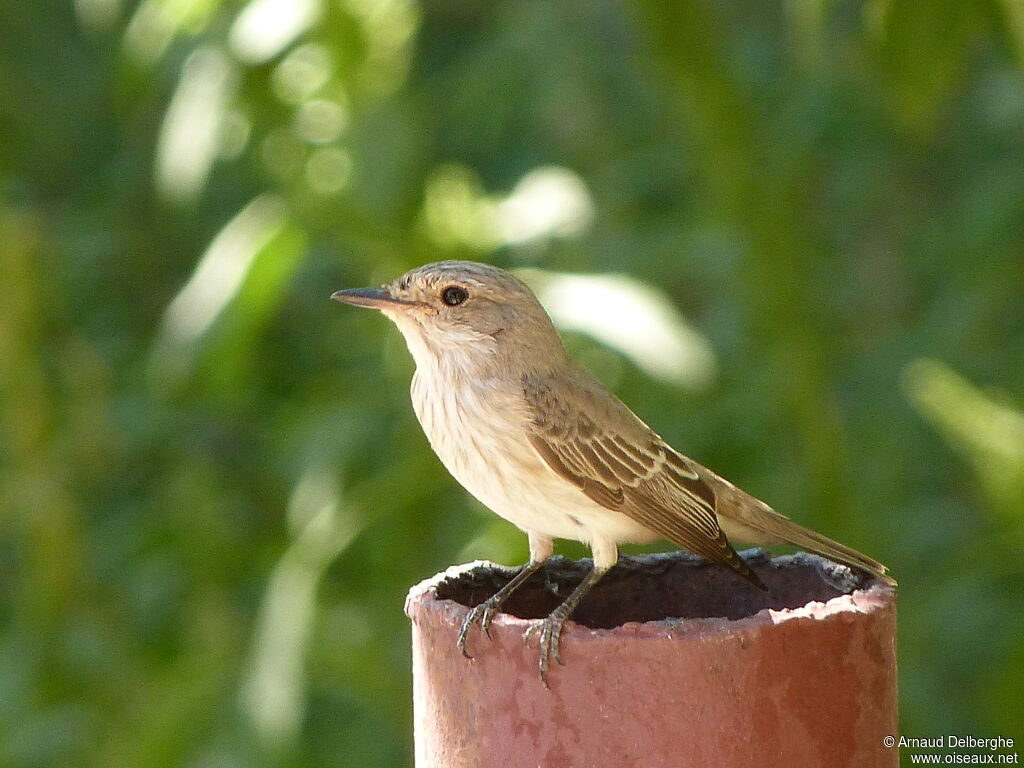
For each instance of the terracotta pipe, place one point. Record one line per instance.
(801, 675)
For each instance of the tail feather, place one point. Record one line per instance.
(796, 534)
(744, 518)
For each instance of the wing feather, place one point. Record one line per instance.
(625, 466)
(628, 467)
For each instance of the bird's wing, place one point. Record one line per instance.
(591, 439)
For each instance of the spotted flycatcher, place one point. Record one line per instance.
(540, 441)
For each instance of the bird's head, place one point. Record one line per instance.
(461, 313)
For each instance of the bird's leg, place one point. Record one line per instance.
(484, 612)
(606, 554)
(551, 627)
(541, 548)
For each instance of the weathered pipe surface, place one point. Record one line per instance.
(668, 662)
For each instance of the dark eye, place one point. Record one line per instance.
(454, 295)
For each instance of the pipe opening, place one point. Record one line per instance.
(673, 585)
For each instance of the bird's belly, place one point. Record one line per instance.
(515, 485)
(492, 459)
(532, 497)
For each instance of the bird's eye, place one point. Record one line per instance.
(454, 295)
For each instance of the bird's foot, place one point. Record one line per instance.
(550, 637)
(482, 614)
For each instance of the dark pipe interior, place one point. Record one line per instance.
(664, 586)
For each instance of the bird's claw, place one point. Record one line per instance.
(483, 615)
(485, 620)
(550, 642)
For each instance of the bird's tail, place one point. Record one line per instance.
(745, 518)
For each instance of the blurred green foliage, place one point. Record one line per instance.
(214, 494)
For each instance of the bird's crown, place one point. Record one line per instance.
(473, 278)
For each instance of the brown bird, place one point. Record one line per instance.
(539, 440)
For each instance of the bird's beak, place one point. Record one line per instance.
(375, 298)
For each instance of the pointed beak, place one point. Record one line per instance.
(375, 298)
